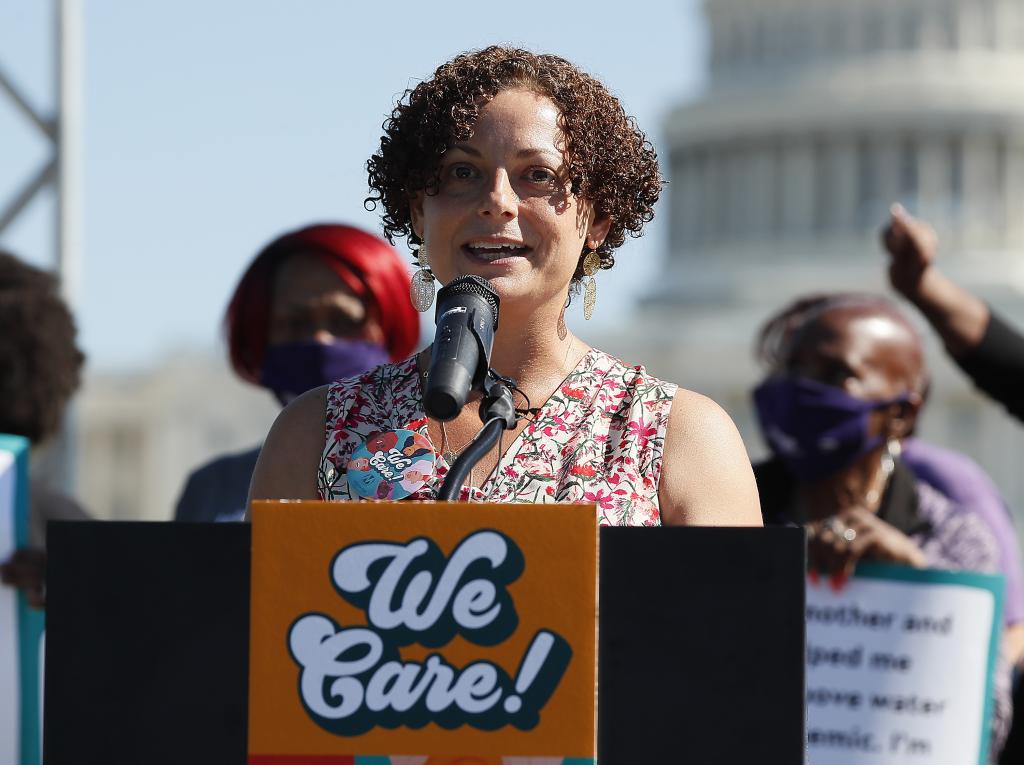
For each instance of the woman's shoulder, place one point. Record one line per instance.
(695, 416)
(300, 419)
(700, 420)
(631, 375)
(706, 475)
(304, 410)
(377, 394)
(286, 468)
(627, 391)
(393, 373)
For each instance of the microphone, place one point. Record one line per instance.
(466, 319)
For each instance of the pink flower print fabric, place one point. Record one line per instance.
(598, 439)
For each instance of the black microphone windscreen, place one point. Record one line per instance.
(467, 318)
(468, 285)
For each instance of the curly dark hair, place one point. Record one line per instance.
(40, 364)
(609, 160)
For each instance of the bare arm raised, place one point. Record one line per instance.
(706, 475)
(288, 461)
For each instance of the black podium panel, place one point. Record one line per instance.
(701, 646)
(147, 644)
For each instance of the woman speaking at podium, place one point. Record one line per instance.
(525, 171)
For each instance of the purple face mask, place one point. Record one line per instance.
(290, 369)
(816, 429)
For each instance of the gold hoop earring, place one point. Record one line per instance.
(421, 290)
(591, 265)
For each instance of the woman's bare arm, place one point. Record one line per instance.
(287, 466)
(959, 317)
(706, 475)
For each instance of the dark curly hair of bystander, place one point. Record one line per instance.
(40, 364)
(609, 160)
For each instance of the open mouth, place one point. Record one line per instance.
(493, 251)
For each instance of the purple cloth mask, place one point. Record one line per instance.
(815, 429)
(290, 369)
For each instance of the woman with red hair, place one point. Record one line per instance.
(316, 305)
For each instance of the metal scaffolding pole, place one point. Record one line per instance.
(69, 148)
(62, 130)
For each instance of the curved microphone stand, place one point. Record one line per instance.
(498, 413)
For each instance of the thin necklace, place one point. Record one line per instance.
(873, 496)
(449, 452)
(450, 455)
(568, 348)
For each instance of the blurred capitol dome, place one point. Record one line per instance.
(818, 114)
(821, 113)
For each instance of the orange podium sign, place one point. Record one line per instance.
(423, 634)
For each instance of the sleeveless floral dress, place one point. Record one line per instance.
(598, 439)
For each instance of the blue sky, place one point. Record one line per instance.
(211, 127)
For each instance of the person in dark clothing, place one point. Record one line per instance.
(988, 349)
(951, 474)
(316, 305)
(846, 380)
(40, 370)
(216, 491)
(979, 340)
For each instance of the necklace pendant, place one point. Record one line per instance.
(449, 458)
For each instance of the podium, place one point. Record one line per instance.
(700, 646)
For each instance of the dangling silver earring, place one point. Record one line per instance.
(890, 454)
(893, 449)
(421, 291)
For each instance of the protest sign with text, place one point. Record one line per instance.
(900, 667)
(422, 631)
(21, 627)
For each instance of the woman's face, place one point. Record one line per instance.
(868, 354)
(311, 302)
(504, 210)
